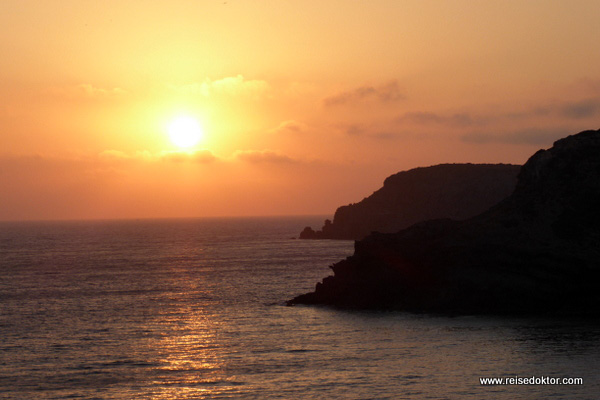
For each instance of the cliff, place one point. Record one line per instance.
(456, 191)
(538, 251)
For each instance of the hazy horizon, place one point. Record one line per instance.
(158, 218)
(289, 108)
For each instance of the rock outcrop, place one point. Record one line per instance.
(538, 251)
(456, 191)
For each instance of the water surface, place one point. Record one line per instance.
(176, 309)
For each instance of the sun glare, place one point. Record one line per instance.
(185, 131)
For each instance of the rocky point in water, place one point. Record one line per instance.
(456, 191)
(536, 252)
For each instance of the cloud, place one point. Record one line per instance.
(573, 110)
(114, 155)
(228, 86)
(427, 118)
(578, 109)
(289, 126)
(358, 129)
(526, 136)
(387, 93)
(581, 109)
(264, 156)
(381, 131)
(354, 130)
(200, 156)
(203, 157)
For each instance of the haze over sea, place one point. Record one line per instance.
(193, 308)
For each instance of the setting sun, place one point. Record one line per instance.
(185, 131)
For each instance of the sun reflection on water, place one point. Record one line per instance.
(191, 363)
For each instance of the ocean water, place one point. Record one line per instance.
(194, 309)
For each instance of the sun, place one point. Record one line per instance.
(185, 131)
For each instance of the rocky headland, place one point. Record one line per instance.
(536, 252)
(456, 191)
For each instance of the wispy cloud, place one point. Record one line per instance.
(228, 86)
(429, 118)
(572, 109)
(199, 156)
(386, 93)
(525, 136)
(539, 114)
(289, 126)
(581, 109)
(380, 131)
(354, 130)
(114, 155)
(264, 156)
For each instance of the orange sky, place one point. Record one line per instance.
(305, 105)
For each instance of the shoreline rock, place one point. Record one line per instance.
(456, 191)
(536, 252)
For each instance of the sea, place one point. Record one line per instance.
(195, 309)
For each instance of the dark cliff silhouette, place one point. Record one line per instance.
(538, 251)
(456, 191)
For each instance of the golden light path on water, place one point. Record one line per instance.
(192, 364)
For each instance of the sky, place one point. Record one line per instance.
(303, 106)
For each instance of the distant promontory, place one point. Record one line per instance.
(455, 191)
(536, 252)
